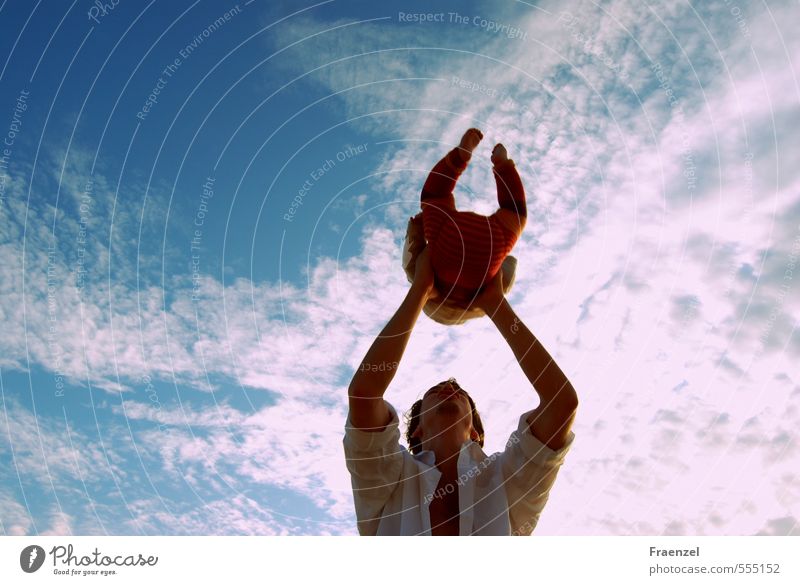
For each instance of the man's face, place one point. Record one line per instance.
(446, 410)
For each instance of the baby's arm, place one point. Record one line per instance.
(437, 193)
(442, 179)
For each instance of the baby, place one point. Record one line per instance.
(466, 249)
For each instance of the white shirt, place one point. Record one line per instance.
(501, 494)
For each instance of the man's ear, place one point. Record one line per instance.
(417, 434)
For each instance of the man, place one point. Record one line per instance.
(449, 486)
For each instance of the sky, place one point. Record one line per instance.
(203, 207)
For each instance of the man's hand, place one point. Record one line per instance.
(423, 275)
(492, 295)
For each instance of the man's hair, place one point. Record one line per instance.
(413, 417)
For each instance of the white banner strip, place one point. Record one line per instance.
(400, 560)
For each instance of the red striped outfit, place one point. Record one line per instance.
(467, 249)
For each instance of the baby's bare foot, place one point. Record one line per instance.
(499, 155)
(469, 142)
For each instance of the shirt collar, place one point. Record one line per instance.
(469, 448)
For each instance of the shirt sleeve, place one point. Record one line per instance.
(529, 471)
(375, 463)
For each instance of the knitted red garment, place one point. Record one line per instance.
(467, 249)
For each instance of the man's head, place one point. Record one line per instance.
(445, 412)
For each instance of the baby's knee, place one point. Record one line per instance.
(511, 220)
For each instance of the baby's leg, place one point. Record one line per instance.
(437, 193)
(513, 212)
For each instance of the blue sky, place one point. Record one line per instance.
(189, 282)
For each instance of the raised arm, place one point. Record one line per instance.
(368, 411)
(552, 420)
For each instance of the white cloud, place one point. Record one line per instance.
(15, 520)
